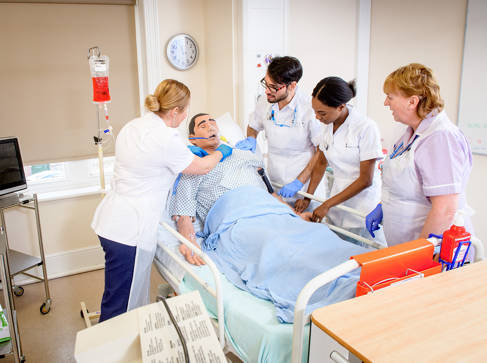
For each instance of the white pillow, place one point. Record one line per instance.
(229, 129)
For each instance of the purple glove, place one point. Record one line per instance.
(373, 219)
(289, 190)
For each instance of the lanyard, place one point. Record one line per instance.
(272, 117)
(397, 150)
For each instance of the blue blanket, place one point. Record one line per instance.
(263, 247)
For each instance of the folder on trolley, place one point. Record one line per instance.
(396, 264)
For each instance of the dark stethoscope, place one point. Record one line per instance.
(397, 150)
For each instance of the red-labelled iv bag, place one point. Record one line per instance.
(101, 93)
(99, 74)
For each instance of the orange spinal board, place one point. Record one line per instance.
(390, 265)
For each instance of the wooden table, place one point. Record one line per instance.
(442, 318)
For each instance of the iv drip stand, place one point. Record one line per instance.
(99, 144)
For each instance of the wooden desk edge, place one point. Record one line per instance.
(340, 341)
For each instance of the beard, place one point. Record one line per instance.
(274, 99)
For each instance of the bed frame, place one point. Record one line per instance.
(300, 317)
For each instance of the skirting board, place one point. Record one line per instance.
(67, 263)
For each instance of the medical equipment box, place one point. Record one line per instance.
(452, 248)
(397, 264)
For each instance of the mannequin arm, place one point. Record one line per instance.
(185, 227)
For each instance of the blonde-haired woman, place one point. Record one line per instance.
(149, 154)
(424, 178)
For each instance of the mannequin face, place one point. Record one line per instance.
(205, 126)
(326, 114)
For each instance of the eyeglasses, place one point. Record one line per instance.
(273, 89)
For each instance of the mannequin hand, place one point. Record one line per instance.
(373, 219)
(197, 151)
(301, 205)
(190, 256)
(247, 144)
(289, 190)
(320, 212)
(225, 150)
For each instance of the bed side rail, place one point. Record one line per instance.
(300, 317)
(338, 229)
(219, 292)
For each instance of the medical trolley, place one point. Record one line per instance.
(12, 263)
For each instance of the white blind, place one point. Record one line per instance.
(46, 87)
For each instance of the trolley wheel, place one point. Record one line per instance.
(45, 308)
(18, 290)
(22, 359)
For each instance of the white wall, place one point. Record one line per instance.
(185, 16)
(404, 32)
(221, 72)
(211, 23)
(322, 34)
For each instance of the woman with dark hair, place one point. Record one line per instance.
(350, 145)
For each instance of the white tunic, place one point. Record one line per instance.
(356, 140)
(292, 134)
(148, 157)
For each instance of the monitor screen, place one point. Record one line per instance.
(12, 177)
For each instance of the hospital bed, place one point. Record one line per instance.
(251, 330)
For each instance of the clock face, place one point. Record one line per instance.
(182, 51)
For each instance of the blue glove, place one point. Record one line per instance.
(373, 219)
(247, 144)
(197, 151)
(288, 190)
(176, 182)
(225, 150)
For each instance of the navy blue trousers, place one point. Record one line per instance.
(119, 270)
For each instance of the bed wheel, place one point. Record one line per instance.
(164, 290)
(18, 290)
(45, 308)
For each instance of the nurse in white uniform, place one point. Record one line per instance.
(351, 146)
(149, 154)
(291, 129)
(425, 176)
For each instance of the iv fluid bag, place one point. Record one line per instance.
(99, 75)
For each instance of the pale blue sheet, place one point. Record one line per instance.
(250, 324)
(263, 247)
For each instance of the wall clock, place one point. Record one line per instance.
(182, 51)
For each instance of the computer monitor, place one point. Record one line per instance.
(12, 176)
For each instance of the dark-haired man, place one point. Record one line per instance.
(290, 126)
